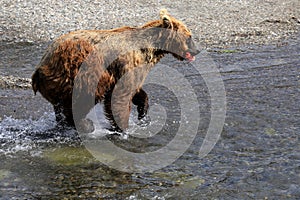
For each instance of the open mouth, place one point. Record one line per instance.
(189, 57)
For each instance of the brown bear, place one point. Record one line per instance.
(95, 61)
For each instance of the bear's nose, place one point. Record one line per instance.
(195, 52)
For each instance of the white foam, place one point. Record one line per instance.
(15, 133)
(101, 125)
(24, 135)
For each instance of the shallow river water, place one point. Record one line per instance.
(257, 155)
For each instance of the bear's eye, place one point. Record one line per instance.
(189, 40)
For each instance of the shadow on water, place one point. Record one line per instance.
(256, 157)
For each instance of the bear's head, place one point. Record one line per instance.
(178, 38)
(181, 44)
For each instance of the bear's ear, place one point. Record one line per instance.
(165, 17)
(163, 12)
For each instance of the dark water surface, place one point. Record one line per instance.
(256, 157)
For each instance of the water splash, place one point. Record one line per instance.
(18, 135)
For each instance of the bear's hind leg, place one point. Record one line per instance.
(68, 116)
(63, 116)
(58, 113)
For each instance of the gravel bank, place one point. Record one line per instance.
(213, 22)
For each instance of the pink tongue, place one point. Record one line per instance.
(189, 56)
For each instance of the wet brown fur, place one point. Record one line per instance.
(103, 56)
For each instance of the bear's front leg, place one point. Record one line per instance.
(117, 108)
(81, 107)
(140, 99)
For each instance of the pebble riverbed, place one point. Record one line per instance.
(215, 23)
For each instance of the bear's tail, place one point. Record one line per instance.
(35, 81)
